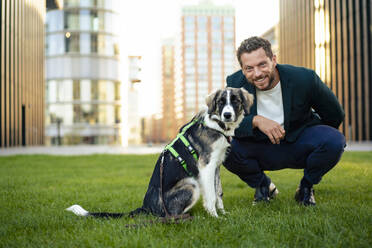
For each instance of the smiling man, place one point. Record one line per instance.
(292, 123)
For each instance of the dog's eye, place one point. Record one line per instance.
(235, 99)
(222, 101)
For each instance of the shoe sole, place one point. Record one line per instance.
(273, 191)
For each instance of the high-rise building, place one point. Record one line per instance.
(334, 37)
(22, 72)
(208, 52)
(134, 120)
(83, 88)
(169, 122)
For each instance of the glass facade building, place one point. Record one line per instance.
(83, 90)
(208, 52)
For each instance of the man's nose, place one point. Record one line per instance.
(257, 72)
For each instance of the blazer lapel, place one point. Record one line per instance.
(251, 89)
(287, 89)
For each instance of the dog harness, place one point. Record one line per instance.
(186, 143)
(181, 136)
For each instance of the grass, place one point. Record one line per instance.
(35, 190)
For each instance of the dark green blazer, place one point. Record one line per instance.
(307, 101)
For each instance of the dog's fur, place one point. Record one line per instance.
(209, 137)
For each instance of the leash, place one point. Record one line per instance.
(169, 218)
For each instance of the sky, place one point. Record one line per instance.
(145, 23)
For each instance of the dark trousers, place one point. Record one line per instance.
(317, 150)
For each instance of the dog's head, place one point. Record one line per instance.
(228, 104)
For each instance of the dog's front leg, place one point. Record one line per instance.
(219, 193)
(206, 179)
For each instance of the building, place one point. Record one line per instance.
(134, 120)
(272, 35)
(335, 39)
(208, 52)
(22, 72)
(151, 129)
(169, 121)
(83, 90)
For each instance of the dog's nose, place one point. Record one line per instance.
(227, 115)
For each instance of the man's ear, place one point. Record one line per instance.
(211, 101)
(247, 100)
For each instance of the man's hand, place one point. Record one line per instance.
(272, 129)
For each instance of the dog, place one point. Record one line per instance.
(174, 189)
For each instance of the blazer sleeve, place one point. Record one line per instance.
(325, 103)
(245, 129)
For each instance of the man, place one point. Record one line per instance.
(292, 123)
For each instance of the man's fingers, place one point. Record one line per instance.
(274, 137)
(271, 137)
(278, 136)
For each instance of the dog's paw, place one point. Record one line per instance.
(212, 212)
(223, 212)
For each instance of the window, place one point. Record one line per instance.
(216, 23)
(71, 19)
(72, 42)
(202, 23)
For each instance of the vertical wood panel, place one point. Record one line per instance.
(351, 70)
(358, 75)
(339, 57)
(21, 87)
(7, 74)
(333, 45)
(28, 71)
(11, 78)
(16, 75)
(345, 39)
(2, 82)
(366, 68)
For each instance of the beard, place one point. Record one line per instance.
(271, 78)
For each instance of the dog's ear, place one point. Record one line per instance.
(247, 100)
(211, 101)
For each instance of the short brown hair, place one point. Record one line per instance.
(252, 44)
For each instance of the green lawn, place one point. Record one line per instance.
(35, 190)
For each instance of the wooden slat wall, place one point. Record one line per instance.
(348, 70)
(22, 72)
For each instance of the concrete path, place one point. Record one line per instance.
(93, 149)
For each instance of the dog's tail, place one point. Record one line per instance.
(79, 211)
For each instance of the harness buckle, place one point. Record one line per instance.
(181, 160)
(191, 149)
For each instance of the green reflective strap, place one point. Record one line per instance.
(178, 157)
(186, 143)
(189, 147)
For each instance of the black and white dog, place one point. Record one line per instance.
(172, 191)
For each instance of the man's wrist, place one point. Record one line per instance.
(255, 121)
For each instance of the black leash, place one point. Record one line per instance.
(169, 218)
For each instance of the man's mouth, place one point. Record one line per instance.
(260, 80)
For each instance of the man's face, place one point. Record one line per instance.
(259, 69)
